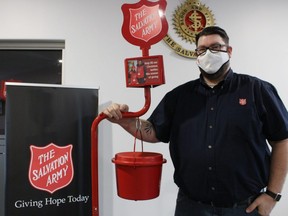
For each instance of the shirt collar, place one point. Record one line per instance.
(227, 78)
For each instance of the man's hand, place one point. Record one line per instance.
(114, 111)
(263, 203)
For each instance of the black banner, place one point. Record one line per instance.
(48, 150)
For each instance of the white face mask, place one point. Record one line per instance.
(212, 62)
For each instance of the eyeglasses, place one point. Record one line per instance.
(213, 48)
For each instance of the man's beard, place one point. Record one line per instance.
(219, 74)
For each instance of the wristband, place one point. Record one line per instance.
(275, 196)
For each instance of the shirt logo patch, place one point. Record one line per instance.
(242, 101)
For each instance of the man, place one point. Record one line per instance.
(218, 128)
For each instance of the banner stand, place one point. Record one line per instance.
(47, 134)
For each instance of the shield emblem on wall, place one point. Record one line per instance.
(51, 167)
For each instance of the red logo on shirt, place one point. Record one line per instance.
(242, 101)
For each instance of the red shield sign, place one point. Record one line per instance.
(51, 167)
(144, 22)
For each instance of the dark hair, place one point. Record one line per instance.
(210, 30)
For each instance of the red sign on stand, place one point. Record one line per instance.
(144, 23)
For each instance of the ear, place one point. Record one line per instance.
(229, 50)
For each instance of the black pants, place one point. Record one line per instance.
(187, 207)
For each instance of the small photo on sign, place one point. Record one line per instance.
(144, 71)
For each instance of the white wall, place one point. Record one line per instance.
(94, 54)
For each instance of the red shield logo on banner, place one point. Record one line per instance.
(51, 167)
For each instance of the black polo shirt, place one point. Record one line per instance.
(218, 135)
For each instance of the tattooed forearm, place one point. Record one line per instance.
(148, 127)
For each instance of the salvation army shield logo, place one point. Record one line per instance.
(144, 22)
(51, 167)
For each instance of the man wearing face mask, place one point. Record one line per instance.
(227, 135)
